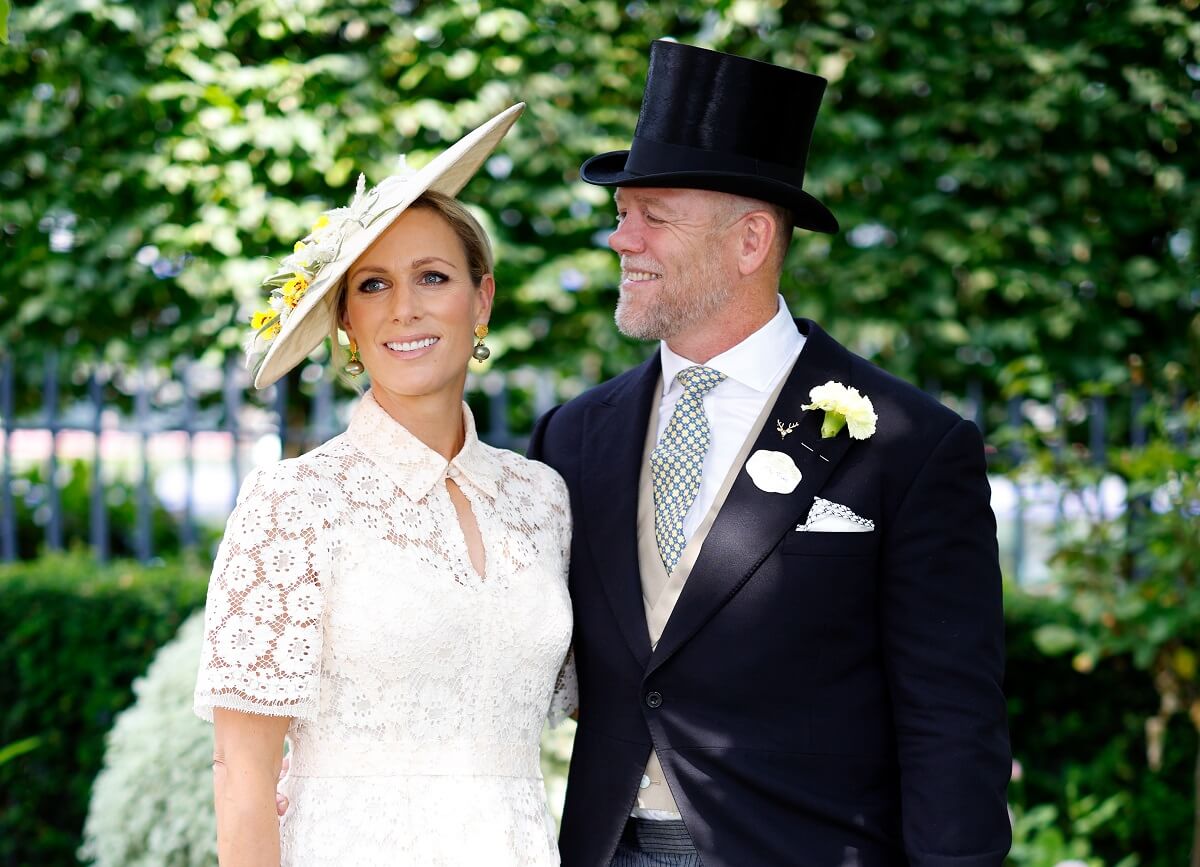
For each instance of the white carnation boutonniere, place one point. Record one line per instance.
(844, 407)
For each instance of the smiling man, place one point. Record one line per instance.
(788, 625)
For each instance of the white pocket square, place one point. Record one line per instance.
(826, 516)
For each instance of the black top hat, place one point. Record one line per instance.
(713, 121)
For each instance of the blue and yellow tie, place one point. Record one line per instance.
(678, 459)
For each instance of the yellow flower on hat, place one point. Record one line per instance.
(291, 280)
(844, 407)
(293, 290)
(267, 319)
(261, 318)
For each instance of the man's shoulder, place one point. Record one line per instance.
(870, 378)
(606, 393)
(905, 412)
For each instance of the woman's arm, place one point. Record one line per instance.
(248, 750)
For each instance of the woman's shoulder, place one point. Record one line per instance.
(307, 475)
(526, 471)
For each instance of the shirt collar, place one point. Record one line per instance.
(411, 464)
(755, 362)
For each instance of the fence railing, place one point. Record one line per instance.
(203, 424)
(183, 439)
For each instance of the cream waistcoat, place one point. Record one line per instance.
(660, 591)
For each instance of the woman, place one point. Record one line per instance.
(394, 602)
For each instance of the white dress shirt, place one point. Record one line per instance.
(752, 369)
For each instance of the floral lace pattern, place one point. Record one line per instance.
(344, 597)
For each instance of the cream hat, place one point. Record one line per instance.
(303, 289)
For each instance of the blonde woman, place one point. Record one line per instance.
(393, 602)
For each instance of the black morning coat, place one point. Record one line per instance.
(817, 699)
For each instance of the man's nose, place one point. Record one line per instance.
(626, 238)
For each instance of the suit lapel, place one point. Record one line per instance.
(752, 522)
(613, 445)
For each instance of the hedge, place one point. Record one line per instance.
(73, 636)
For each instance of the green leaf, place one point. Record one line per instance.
(4, 22)
(1054, 639)
(19, 748)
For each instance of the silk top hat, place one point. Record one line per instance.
(304, 287)
(713, 121)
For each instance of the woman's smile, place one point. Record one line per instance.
(408, 348)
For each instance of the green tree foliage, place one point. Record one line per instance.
(1016, 179)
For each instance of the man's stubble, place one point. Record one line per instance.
(689, 297)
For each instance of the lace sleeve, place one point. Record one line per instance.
(262, 622)
(565, 700)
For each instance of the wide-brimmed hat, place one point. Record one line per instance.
(303, 288)
(714, 121)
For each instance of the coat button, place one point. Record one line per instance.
(654, 699)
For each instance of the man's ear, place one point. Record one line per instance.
(756, 238)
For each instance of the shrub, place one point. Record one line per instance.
(1124, 625)
(1080, 739)
(31, 511)
(73, 636)
(152, 802)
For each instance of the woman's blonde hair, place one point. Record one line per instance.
(476, 245)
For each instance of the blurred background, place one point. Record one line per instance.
(1018, 183)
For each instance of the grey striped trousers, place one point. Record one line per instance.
(648, 843)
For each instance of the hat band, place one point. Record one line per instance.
(650, 157)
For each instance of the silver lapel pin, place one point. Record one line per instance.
(784, 431)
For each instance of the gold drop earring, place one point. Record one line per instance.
(354, 367)
(481, 352)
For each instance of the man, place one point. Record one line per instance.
(788, 627)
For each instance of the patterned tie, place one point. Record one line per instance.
(678, 459)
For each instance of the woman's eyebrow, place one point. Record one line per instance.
(383, 272)
(421, 263)
(367, 269)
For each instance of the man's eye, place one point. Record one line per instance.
(432, 278)
(650, 218)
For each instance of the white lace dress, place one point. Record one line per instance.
(343, 596)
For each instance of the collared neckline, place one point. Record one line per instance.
(414, 466)
(756, 362)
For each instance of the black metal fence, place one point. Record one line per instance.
(141, 405)
(208, 405)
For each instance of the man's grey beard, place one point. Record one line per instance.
(676, 308)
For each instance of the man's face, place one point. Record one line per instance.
(676, 268)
